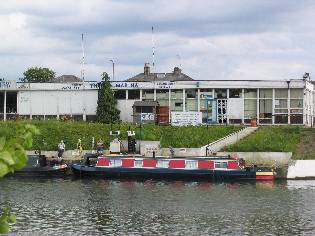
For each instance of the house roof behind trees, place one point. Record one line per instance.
(176, 75)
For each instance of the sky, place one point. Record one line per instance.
(217, 39)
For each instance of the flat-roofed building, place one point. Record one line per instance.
(237, 101)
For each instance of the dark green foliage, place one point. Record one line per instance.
(13, 141)
(38, 75)
(5, 219)
(107, 111)
(12, 144)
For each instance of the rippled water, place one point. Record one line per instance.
(98, 207)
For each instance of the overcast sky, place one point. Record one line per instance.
(217, 39)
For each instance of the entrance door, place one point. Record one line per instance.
(222, 111)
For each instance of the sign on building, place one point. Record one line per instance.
(186, 118)
(147, 116)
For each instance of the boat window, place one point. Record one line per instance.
(115, 163)
(162, 164)
(138, 163)
(220, 165)
(191, 164)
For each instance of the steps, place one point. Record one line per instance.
(230, 139)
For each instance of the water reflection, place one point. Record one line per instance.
(58, 206)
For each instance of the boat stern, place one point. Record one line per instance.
(265, 174)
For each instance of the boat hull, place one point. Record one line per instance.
(54, 171)
(161, 173)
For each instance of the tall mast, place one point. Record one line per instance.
(153, 49)
(83, 58)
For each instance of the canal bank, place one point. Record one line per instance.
(282, 162)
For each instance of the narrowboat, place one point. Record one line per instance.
(38, 165)
(211, 168)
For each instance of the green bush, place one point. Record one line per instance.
(52, 131)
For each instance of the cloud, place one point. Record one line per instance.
(219, 39)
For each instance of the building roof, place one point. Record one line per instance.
(66, 79)
(176, 75)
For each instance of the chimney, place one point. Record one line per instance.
(177, 71)
(146, 68)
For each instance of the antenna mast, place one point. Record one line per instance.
(153, 49)
(83, 58)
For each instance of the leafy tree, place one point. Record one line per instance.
(107, 111)
(38, 74)
(13, 157)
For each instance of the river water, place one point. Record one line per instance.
(103, 207)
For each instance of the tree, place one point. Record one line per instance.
(106, 111)
(13, 157)
(38, 75)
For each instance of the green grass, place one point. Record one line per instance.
(270, 139)
(51, 132)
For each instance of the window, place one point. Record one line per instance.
(191, 105)
(191, 164)
(221, 165)
(296, 93)
(120, 94)
(220, 93)
(133, 94)
(115, 162)
(265, 108)
(177, 94)
(191, 93)
(148, 94)
(296, 119)
(205, 93)
(281, 119)
(265, 93)
(235, 93)
(250, 93)
(281, 93)
(250, 108)
(296, 103)
(138, 163)
(162, 164)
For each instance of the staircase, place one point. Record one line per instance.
(230, 139)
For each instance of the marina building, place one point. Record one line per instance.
(159, 95)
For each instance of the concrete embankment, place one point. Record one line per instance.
(301, 169)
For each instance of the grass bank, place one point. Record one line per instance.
(51, 132)
(296, 139)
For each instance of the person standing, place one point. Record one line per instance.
(100, 146)
(61, 148)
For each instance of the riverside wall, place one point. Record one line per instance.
(301, 169)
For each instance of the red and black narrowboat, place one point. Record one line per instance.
(211, 168)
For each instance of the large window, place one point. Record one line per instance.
(250, 108)
(281, 106)
(191, 100)
(120, 94)
(220, 93)
(148, 94)
(250, 93)
(265, 106)
(250, 104)
(133, 94)
(162, 97)
(235, 93)
(177, 100)
(296, 106)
